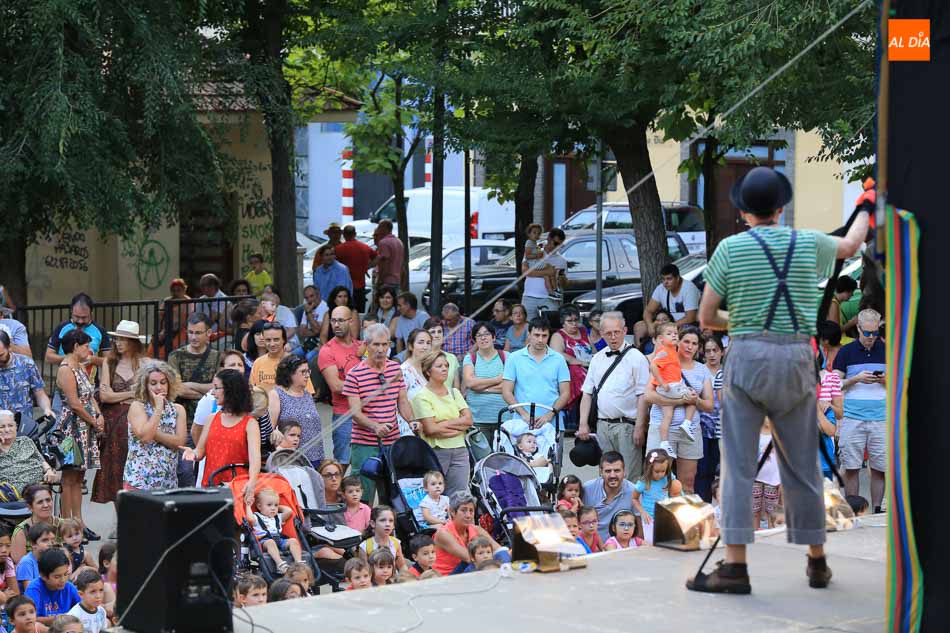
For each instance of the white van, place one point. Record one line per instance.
(490, 218)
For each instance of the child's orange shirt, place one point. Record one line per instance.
(668, 365)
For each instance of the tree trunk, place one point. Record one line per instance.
(524, 202)
(710, 210)
(399, 186)
(14, 270)
(633, 160)
(279, 122)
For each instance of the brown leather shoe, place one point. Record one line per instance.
(726, 578)
(818, 572)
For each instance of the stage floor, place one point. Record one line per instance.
(617, 593)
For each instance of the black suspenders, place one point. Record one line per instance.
(781, 274)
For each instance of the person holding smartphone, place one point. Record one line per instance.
(863, 369)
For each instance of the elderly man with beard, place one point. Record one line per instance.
(610, 493)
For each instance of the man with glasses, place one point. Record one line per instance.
(374, 389)
(619, 398)
(337, 358)
(501, 321)
(20, 382)
(80, 318)
(861, 364)
(536, 297)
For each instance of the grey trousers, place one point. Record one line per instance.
(618, 436)
(535, 305)
(454, 462)
(771, 375)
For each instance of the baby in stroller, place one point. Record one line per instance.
(267, 522)
(526, 447)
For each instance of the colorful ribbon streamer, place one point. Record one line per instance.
(905, 578)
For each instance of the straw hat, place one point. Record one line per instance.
(129, 329)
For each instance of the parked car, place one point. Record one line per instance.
(621, 264)
(484, 252)
(628, 298)
(490, 219)
(680, 217)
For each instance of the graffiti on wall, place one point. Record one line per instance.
(149, 258)
(69, 253)
(257, 232)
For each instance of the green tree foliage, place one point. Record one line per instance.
(99, 121)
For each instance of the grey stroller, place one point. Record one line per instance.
(507, 487)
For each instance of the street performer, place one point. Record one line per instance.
(769, 277)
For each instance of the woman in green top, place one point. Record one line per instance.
(445, 417)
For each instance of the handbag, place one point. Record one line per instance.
(592, 414)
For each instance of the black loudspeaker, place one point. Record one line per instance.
(189, 590)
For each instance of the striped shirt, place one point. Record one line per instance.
(740, 273)
(363, 382)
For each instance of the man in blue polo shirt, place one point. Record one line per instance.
(536, 373)
(863, 370)
(80, 318)
(610, 493)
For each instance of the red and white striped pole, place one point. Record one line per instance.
(346, 204)
(428, 174)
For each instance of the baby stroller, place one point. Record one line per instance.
(550, 440)
(506, 487)
(291, 529)
(324, 524)
(405, 464)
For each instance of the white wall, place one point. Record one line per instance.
(325, 178)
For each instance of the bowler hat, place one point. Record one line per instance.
(585, 452)
(762, 191)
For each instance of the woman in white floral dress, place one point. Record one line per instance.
(157, 428)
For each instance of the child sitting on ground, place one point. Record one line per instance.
(109, 569)
(422, 552)
(302, 574)
(766, 489)
(21, 613)
(383, 566)
(859, 505)
(358, 574)
(435, 505)
(9, 586)
(526, 448)
(667, 377)
(268, 522)
(52, 592)
(250, 591)
(379, 535)
(569, 493)
(656, 484)
(357, 512)
(284, 589)
(41, 537)
(589, 537)
(66, 624)
(479, 550)
(70, 535)
(623, 525)
(90, 611)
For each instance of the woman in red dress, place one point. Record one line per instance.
(233, 434)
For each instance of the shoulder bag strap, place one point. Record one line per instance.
(610, 369)
(196, 372)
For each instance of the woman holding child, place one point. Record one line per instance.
(445, 417)
(452, 538)
(696, 376)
